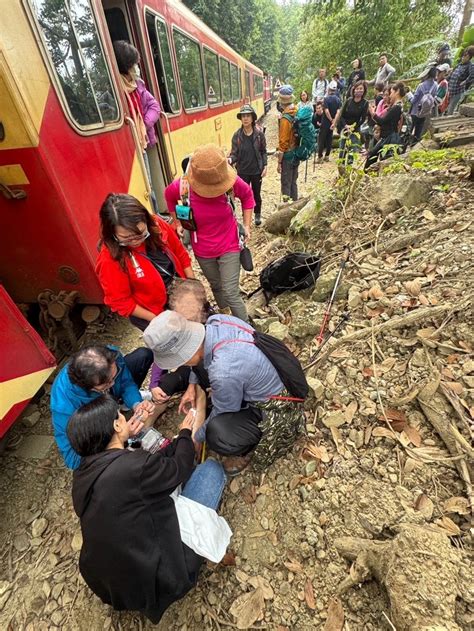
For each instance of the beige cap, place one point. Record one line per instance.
(173, 339)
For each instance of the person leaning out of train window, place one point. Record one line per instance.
(91, 372)
(249, 155)
(209, 188)
(143, 539)
(140, 255)
(144, 108)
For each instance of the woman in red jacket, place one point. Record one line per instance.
(140, 255)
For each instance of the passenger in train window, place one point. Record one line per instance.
(144, 540)
(90, 372)
(207, 191)
(249, 155)
(140, 255)
(144, 108)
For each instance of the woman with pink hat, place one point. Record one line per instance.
(202, 201)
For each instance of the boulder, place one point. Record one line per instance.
(314, 219)
(392, 192)
(279, 221)
(278, 330)
(324, 286)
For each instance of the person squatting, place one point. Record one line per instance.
(236, 410)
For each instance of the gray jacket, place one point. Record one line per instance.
(384, 74)
(238, 371)
(259, 145)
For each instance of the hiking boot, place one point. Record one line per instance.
(258, 219)
(319, 160)
(233, 465)
(326, 158)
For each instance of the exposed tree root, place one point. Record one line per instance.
(419, 569)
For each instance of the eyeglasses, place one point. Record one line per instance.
(137, 239)
(104, 387)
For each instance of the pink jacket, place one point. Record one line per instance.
(151, 111)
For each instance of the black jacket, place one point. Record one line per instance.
(132, 556)
(259, 145)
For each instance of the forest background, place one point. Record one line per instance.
(291, 39)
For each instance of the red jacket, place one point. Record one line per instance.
(124, 290)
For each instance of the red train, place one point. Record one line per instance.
(66, 140)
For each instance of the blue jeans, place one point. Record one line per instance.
(206, 484)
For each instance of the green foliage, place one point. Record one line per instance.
(407, 30)
(423, 160)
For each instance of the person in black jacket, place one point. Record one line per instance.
(358, 74)
(132, 555)
(389, 125)
(249, 154)
(351, 116)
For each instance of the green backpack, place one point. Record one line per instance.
(305, 134)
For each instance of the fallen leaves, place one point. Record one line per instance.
(334, 419)
(350, 411)
(335, 617)
(454, 386)
(448, 526)
(425, 506)
(250, 607)
(294, 566)
(375, 293)
(459, 505)
(413, 287)
(309, 594)
(428, 215)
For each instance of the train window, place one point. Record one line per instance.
(211, 63)
(247, 84)
(162, 61)
(257, 85)
(226, 80)
(72, 41)
(188, 54)
(236, 95)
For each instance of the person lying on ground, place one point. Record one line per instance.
(136, 554)
(91, 372)
(243, 386)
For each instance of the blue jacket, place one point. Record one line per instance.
(66, 398)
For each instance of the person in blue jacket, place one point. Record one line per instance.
(92, 372)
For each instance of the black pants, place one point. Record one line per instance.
(138, 362)
(325, 141)
(255, 182)
(418, 125)
(235, 433)
(376, 151)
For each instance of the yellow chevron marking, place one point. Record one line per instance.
(21, 388)
(13, 175)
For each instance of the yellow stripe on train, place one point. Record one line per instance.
(20, 389)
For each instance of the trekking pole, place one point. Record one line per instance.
(314, 357)
(306, 172)
(327, 313)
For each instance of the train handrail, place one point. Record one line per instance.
(171, 142)
(139, 150)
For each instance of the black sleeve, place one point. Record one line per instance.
(342, 121)
(361, 73)
(234, 152)
(391, 115)
(164, 471)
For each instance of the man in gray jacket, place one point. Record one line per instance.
(385, 71)
(242, 382)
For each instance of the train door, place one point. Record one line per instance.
(119, 16)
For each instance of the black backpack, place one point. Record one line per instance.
(285, 363)
(293, 272)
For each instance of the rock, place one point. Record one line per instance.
(392, 192)
(354, 298)
(280, 220)
(419, 357)
(469, 381)
(38, 527)
(334, 419)
(20, 542)
(324, 286)
(468, 366)
(32, 418)
(316, 386)
(314, 219)
(278, 330)
(76, 543)
(310, 468)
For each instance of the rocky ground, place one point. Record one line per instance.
(387, 449)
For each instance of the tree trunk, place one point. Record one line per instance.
(466, 18)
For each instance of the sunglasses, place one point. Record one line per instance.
(137, 239)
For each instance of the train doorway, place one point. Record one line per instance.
(123, 24)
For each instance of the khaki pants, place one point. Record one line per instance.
(223, 275)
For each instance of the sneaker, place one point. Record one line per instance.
(258, 219)
(319, 160)
(326, 158)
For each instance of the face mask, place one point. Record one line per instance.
(136, 71)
